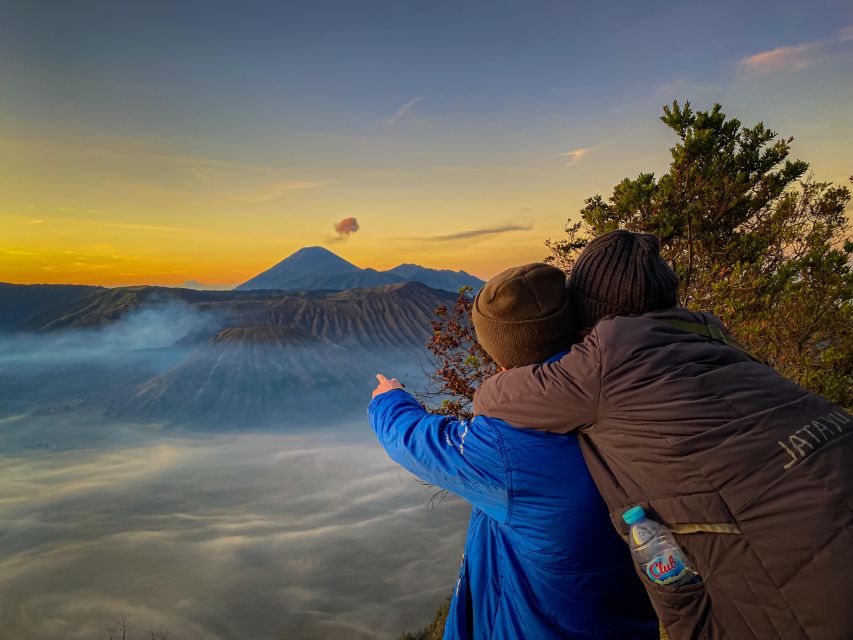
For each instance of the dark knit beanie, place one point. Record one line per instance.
(523, 315)
(621, 273)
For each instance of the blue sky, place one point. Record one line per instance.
(254, 126)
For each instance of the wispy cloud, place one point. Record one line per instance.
(209, 172)
(402, 111)
(794, 58)
(801, 56)
(97, 223)
(479, 233)
(280, 189)
(77, 210)
(195, 171)
(200, 167)
(575, 155)
(143, 227)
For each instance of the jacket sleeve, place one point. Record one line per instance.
(461, 456)
(559, 396)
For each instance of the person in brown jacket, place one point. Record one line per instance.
(752, 473)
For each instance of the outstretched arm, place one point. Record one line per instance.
(460, 456)
(559, 396)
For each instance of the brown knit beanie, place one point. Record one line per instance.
(621, 273)
(523, 315)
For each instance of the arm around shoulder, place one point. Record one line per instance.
(559, 396)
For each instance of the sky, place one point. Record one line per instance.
(165, 142)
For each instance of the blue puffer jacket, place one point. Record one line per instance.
(542, 559)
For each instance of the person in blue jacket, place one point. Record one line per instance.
(542, 559)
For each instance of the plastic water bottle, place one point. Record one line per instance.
(656, 551)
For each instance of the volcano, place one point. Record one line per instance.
(316, 268)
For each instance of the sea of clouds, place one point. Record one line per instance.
(309, 535)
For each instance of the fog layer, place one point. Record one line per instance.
(315, 535)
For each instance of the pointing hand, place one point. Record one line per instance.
(386, 385)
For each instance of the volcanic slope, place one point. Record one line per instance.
(391, 316)
(255, 358)
(254, 376)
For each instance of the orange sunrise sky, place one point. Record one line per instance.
(143, 147)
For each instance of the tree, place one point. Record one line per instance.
(434, 630)
(458, 362)
(752, 238)
(564, 252)
(121, 631)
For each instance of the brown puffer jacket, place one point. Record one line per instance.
(752, 473)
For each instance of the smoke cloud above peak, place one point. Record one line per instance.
(346, 227)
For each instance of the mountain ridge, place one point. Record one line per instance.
(252, 376)
(22, 302)
(221, 359)
(388, 315)
(319, 268)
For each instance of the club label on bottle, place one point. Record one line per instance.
(664, 569)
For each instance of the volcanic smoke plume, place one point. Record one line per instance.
(346, 227)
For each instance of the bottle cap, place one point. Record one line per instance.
(633, 515)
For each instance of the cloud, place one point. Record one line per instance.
(96, 222)
(280, 189)
(346, 227)
(793, 58)
(203, 165)
(575, 155)
(402, 111)
(801, 56)
(197, 172)
(147, 328)
(76, 210)
(144, 227)
(209, 536)
(204, 170)
(478, 233)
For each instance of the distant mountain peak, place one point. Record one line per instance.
(308, 268)
(318, 268)
(437, 278)
(318, 257)
(314, 251)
